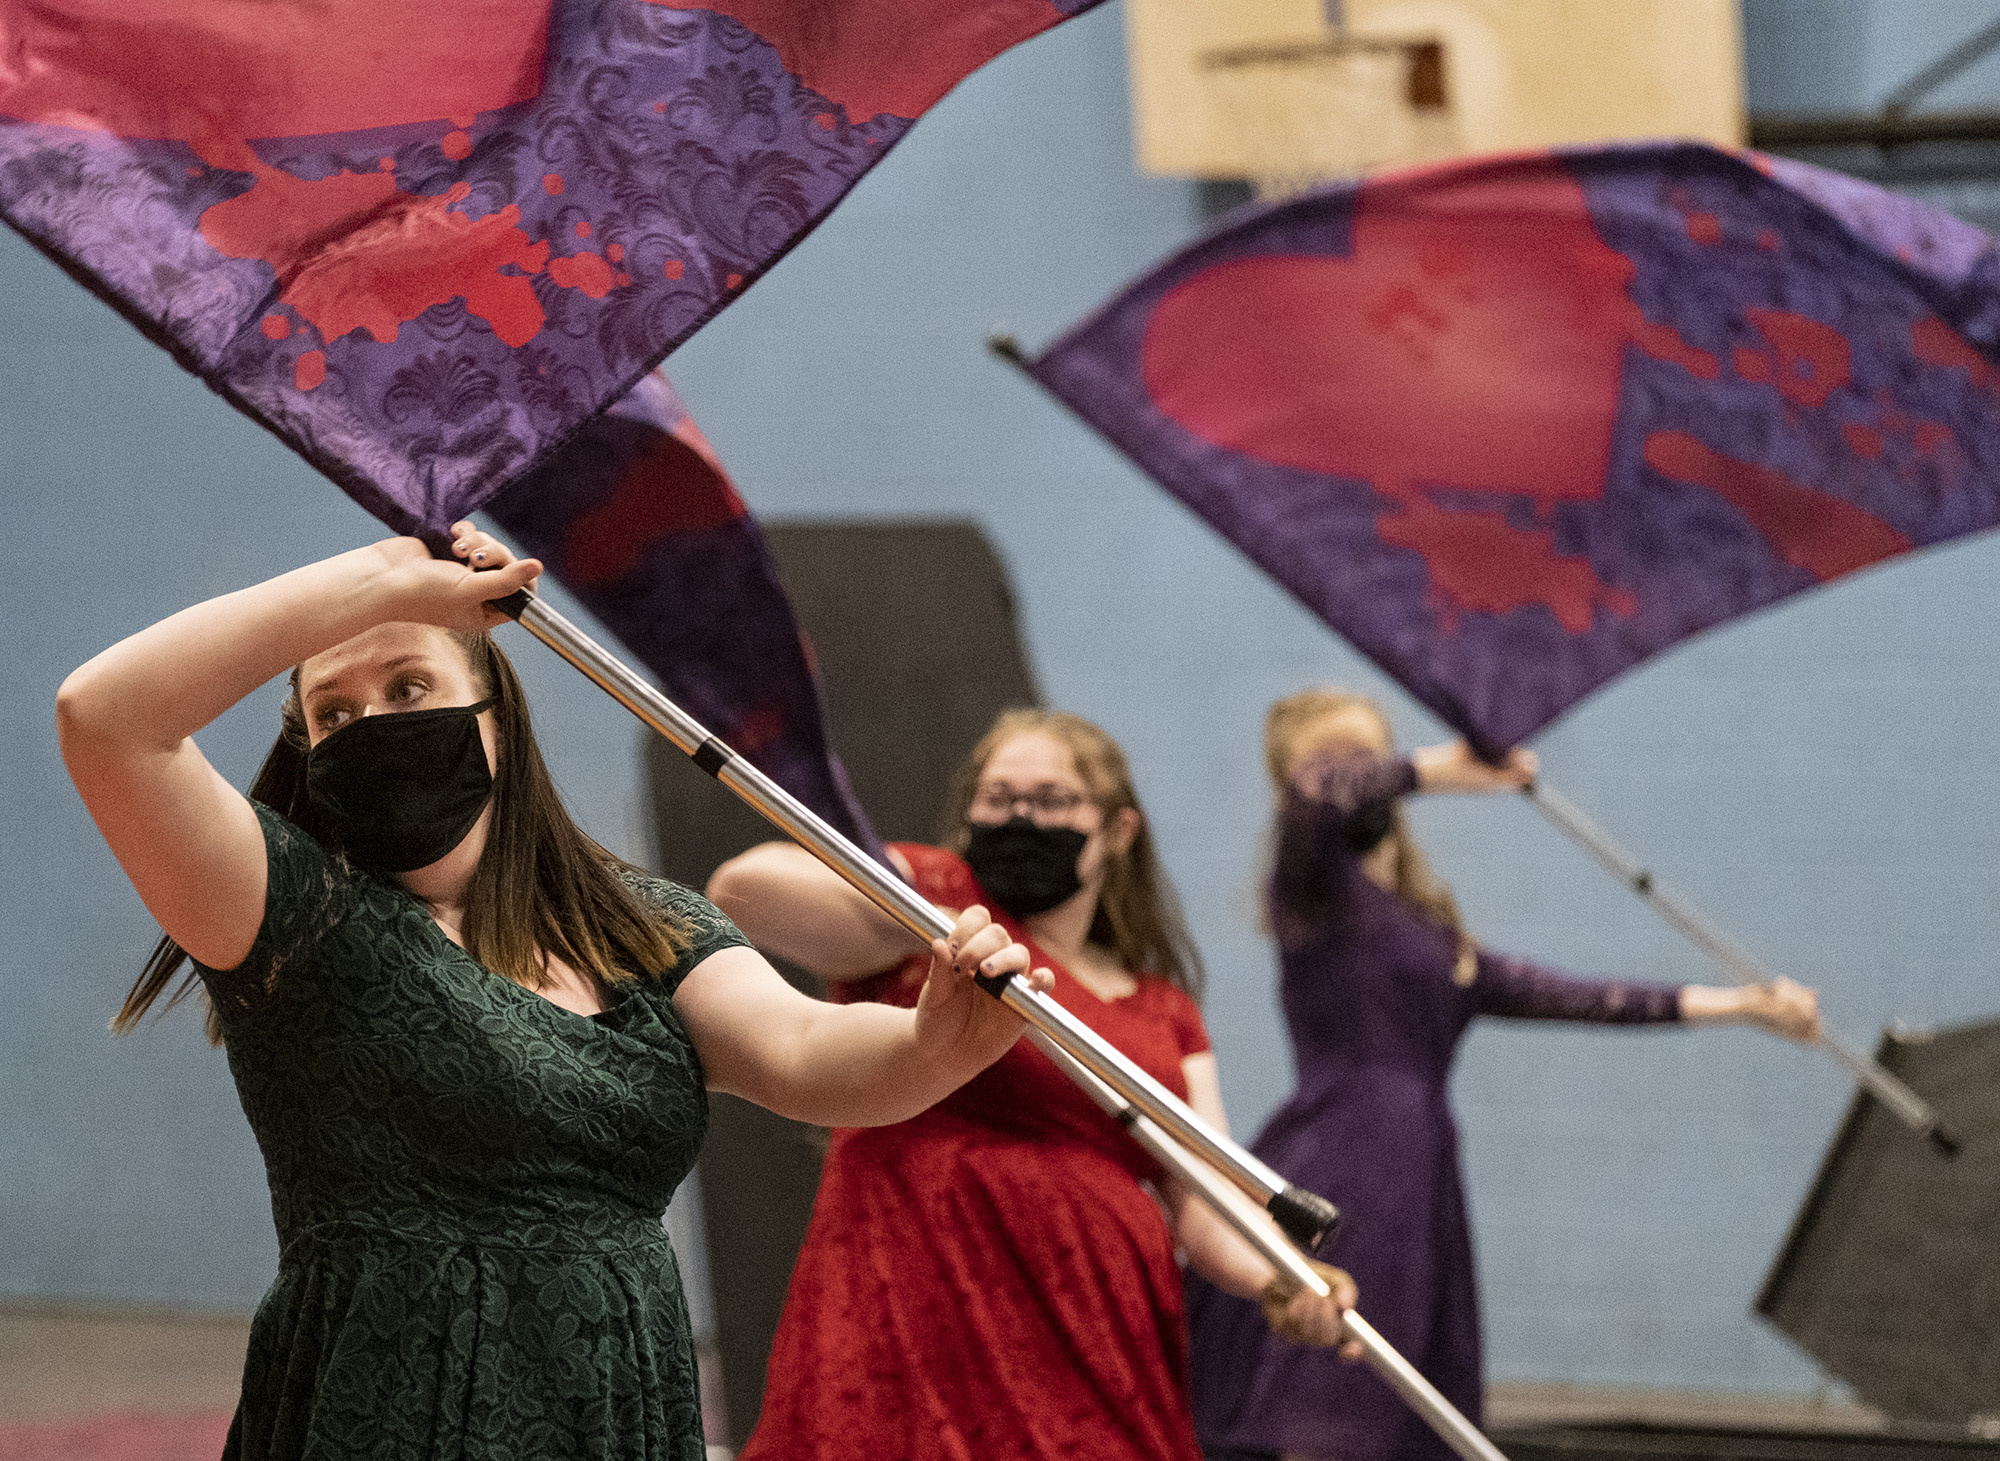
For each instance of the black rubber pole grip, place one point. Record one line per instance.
(1307, 1218)
(1944, 1139)
(711, 756)
(514, 605)
(993, 984)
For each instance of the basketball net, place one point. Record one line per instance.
(1310, 112)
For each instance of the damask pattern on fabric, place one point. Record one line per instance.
(423, 243)
(467, 1182)
(1513, 425)
(990, 1279)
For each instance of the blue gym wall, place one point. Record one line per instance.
(1822, 778)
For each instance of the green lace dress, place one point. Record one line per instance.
(467, 1182)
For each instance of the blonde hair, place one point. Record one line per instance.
(1412, 878)
(1138, 915)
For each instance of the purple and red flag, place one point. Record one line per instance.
(636, 516)
(423, 241)
(426, 243)
(1513, 425)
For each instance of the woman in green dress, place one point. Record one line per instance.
(473, 1046)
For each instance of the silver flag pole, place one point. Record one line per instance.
(1304, 1215)
(1902, 1102)
(1230, 1205)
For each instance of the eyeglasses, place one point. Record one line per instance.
(1045, 803)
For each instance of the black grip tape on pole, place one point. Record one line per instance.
(1307, 1218)
(993, 984)
(711, 756)
(514, 605)
(1944, 1139)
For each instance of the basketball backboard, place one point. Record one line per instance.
(1243, 88)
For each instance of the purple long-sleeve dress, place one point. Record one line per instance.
(1374, 1013)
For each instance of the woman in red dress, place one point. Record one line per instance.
(996, 1278)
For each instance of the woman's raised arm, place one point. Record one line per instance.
(790, 903)
(186, 837)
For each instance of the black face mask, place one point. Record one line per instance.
(1367, 827)
(1024, 868)
(398, 791)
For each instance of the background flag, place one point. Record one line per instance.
(421, 242)
(1512, 426)
(637, 518)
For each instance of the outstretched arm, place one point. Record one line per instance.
(1219, 1253)
(1517, 988)
(186, 838)
(861, 1064)
(788, 901)
(1779, 1006)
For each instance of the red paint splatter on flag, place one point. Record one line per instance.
(309, 370)
(1813, 360)
(1937, 343)
(276, 327)
(674, 268)
(1480, 562)
(586, 272)
(353, 251)
(1751, 365)
(1518, 316)
(1863, 441)
(1932, 437)
(552, 184)
(1825, 535)
(1704, 228)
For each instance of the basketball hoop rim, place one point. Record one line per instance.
(1281, 53)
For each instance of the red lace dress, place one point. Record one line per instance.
(988, 1280)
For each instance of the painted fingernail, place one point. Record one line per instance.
(477, 557)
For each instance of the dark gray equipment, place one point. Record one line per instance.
(1656, 1441)
(1890, 1277)
(913, 627)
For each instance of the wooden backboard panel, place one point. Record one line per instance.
(1518, 73)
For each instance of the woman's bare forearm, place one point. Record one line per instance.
(793, 905)
(861, 1065)
(161, 685)
(1215, 1250)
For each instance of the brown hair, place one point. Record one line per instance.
(1138, 916)
(542, 886)
(1413, 879)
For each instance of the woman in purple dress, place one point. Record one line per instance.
(1379, 981)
